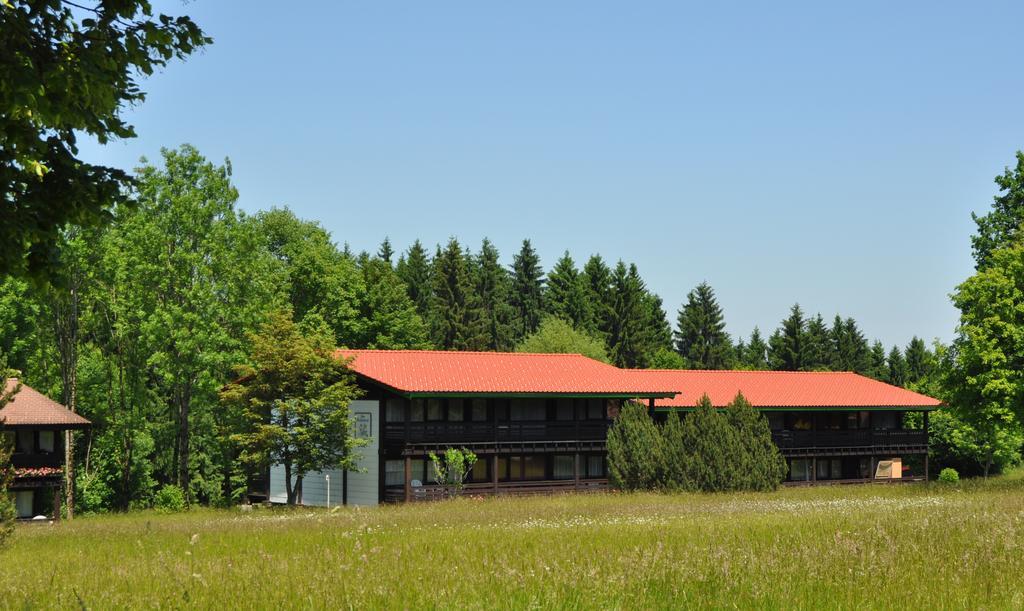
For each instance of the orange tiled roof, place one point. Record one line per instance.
(767, 389)
(440, 372)
(30, 407)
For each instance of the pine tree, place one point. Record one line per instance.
(527, 297)
(389, 320)
(448, 316)
(598, 281)
(897, 373)
(566, 295)
(700, 331)
(414, 269)
(786, 350)
(385, 252)
(877, 369)
(634, 333)
(492, 314)
(658, 330)
(817, 347)
(634, 450)
(755, 355)
(850, 351)
(761, 465)
(919, 360)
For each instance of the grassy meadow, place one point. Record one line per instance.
(877, 546)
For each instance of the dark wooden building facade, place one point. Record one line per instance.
(35, 426)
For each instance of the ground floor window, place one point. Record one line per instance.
(799, 470)
(563, 467)
(23, 503)
(829, 468)
(595, 466)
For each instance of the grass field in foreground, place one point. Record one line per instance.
(909, 546)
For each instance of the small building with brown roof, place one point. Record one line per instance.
(34, 425)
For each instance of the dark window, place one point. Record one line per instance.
(395, 411)
(435, 411)
(479, 410)
(534, 467)
(563, 467)
(595, 466)
(528, 410)
(596, 409)
(479, 472)
(776, 421)
(501, 410)
(515, 467)
(565, 410)
(455, 410)
(800, 470)
(26, 442)
(416, 410)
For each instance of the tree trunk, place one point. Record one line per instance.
(64, 308)
(184, 407)
(288, 488)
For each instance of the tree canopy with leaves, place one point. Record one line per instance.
(292, 402)
(555, 335)
(65, 70)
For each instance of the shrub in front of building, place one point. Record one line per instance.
(7, 511)
(949, 476)
(635, 460)
(710, 450)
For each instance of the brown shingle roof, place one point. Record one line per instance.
(30, 407)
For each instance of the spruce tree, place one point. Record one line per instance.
(897, 373)
(700, 331)
(658, 330)
(850, 350)
(566, 296)
(635, 460)
(755, 355)
(388, 317)
(761, 465)
(414, 269)
(878, 368)
(919, 360)
(491, 312)
(630, 335)
(598, 282)
(817, 347)
(527, 297)
(385, 252)
(448, 316)
(786, 350)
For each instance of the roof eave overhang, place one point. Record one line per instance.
(813, 408)
(45, 425)
(426, 394)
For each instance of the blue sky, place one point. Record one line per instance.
(825, 153)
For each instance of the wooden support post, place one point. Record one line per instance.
(871, 470)
(494, 472)
(927, 446)
(408, 478)
(814, 469)
(650, 407)
(576, 470)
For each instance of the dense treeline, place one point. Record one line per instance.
(151, 315)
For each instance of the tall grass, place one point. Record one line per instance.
(911, 546)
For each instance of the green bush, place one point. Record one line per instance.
(7, 511)
(949, 476)
(169, 499)
(635, 460)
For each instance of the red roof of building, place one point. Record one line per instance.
(427, 372)
(783, 389)
(30, 407)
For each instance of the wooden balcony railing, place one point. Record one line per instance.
(36, 461)
(466, 432)
(395, 494)
(860, 438)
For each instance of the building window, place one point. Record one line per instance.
(23, 502)
(515, 468)
(479, 472)
(596, 409)
(563, 467)
(394, 472)
(886, 420)
(565, 410)
(479, 410)
(776, 421)
(595, 466)
(799, 470)
(455, 410)
(533, 467)
(801, 422)
(26, 442)
(46, 441)
(416, 410)
(435, 411)
(395, 411)
(528, 410)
